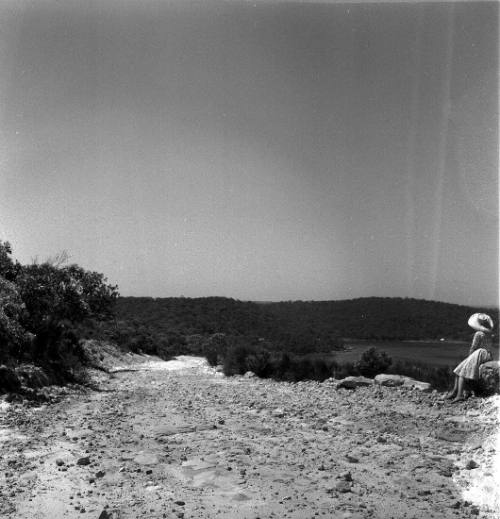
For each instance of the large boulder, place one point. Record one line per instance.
(400, 380)
(354, 382)
(489, 377)
(417, 384)
(390, 380)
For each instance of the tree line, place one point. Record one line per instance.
(299, 327)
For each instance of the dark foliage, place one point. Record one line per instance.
(214, 348)
(242, 356)
(45, 310)
(440, 378)
(373, 362)
(9, 269)
(212, 315)
(301, 327)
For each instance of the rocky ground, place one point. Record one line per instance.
(180, 440)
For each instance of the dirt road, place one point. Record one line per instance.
(179, 440)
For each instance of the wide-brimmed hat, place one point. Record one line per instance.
(481, 322)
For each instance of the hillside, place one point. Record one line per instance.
(298, 325)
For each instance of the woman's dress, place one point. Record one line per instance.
(469, 368)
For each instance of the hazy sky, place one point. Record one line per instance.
(257, 150)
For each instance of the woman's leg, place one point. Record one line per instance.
(453, 392)
(460, 389)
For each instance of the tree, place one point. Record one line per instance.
(41, 306)
(13, 336)
(53, 294)
(9, 269)
(373, 362)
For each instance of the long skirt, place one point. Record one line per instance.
(469, 368)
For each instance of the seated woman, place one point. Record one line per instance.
(468, 369)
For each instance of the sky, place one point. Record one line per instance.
(264, 150)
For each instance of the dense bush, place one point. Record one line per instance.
(43, 308)
(14, 338)
(439, 377)
(259, 362)
(235, 360)
(242, 356)
(214, 348)
(373, 362)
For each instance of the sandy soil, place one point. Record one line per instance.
(179, 440)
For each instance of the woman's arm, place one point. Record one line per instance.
(477, 342)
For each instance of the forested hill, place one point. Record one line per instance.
(300, 322)
(382, 318)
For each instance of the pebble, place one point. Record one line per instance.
(269, 451)
(343, 486)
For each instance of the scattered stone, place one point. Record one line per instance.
(59, 462)
(387, 443)
(343, 486)
(446, 468)
(416, 384)
(85, 460)
(351, 459)
(354, 382)
(346, 476)
(471, 464)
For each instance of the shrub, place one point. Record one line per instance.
(346, 369)
(373, 362)
(214, 348)
(322, 369)
(9, 381)
(439, 377)
(53, 293)
(235, 360)
(281, 367)
(43, 311)
(14, 339)
(259, 361)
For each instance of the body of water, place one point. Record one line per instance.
(438, 353)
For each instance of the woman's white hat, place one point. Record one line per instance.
(481, 322)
